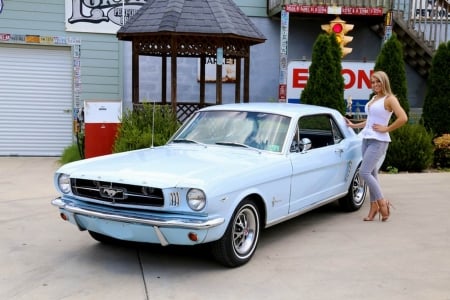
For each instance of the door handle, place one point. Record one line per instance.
(339, 151)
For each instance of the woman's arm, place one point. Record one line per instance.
(355, 125)
(392, 104)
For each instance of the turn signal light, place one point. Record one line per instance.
(193, 236)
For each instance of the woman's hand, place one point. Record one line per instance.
(380, 128)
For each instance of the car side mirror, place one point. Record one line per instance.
(305, 145)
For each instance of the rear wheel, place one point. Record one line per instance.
(239, 242)
(356, 194)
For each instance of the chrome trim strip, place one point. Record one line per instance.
(304, 210)
(181, 223)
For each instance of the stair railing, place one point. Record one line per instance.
(429, 19)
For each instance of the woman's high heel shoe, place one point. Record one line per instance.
(385, 210)
(374, 209)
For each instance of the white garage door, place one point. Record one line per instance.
(35, 100)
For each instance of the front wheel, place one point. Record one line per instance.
(356, 194)
(239, 242)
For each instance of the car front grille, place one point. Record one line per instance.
(119, 193)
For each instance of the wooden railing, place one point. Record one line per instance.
(429, 19)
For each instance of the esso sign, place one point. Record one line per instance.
(356, 75)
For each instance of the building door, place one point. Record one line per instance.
(35, 100)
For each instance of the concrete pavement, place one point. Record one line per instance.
(325, 254)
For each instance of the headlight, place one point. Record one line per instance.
(196, 199)
(64, 183)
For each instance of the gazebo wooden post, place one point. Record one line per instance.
(173, 75)
(164, 79)
(135, 76)
(218, 84)
(237, 90)
(202, 79)
(247, 78)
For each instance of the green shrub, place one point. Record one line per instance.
(442, 151)
(411, 149)
(135, 131)
(70, 154)
(436, 106)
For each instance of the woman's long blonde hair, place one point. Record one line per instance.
(384, 79)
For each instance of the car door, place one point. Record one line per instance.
(318, 173)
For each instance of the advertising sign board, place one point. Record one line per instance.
(99, 16)
(356, 80)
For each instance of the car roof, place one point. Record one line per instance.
(287, 109)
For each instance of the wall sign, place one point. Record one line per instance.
(334, 10)
(228, 70)
(99, 16)
(357, 86)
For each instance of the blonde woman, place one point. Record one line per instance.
(375, 134)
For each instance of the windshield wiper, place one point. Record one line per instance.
(187, 141)
(233, 144)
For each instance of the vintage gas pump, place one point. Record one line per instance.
(101, 121)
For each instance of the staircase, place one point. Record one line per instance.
(421, 25)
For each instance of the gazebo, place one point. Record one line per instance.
(191, 28)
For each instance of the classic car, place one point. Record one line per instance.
(229, 172)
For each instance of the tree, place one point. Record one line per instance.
(338, 83)
(436, 106)
(390, 60)
(325, 85)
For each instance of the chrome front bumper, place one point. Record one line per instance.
(180, 223)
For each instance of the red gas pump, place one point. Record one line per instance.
(102, 119)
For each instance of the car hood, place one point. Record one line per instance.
(174, 165)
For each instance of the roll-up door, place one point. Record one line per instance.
(35, 100)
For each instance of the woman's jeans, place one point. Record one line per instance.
(373, 152)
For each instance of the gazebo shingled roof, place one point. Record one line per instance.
(184, 17)
(191, 28)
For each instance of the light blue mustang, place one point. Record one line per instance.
(228, 172)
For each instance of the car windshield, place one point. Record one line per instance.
(265, 131)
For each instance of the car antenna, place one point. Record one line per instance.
(153, 122)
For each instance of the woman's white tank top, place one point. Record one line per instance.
(376, 114)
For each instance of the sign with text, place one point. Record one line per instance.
(228, 70)
(356, 80)
(334, 10)
(99, 16)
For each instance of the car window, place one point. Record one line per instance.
(265, 131)
(337, 134)
(320, 129)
